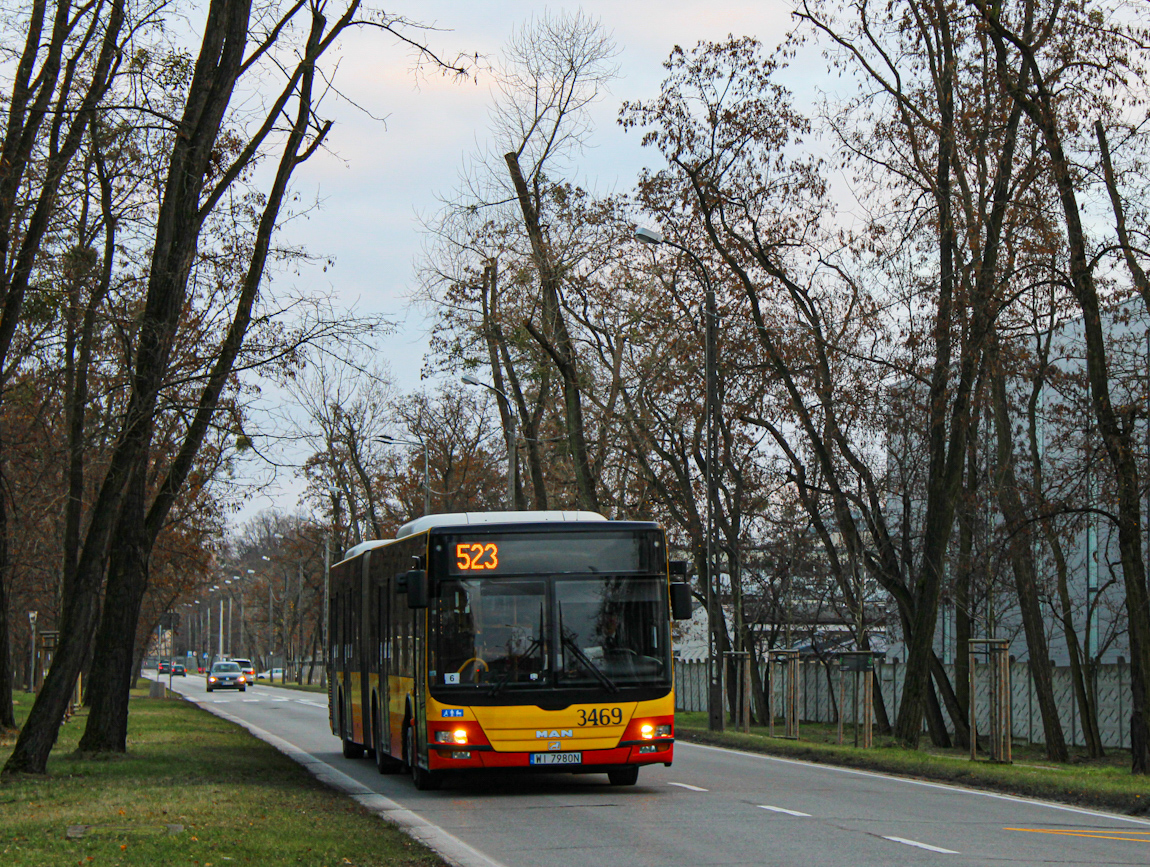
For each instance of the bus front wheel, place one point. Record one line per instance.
(624, 776)
(424, 780)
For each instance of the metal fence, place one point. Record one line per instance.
(818, 697)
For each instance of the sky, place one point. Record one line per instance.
(381, 176)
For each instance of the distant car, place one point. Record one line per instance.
(178, 669)
(164, 667)
(272, 674)
(227, 675)
(249, 670)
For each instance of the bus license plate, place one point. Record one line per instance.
(556, 758)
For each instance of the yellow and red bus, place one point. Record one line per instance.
(510, 640)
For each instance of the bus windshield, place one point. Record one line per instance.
(602, 632)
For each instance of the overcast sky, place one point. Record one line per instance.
(381, 176)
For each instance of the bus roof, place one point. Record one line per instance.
(461, 519)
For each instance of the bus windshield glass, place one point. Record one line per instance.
(603, 632)
(612, 632)
(491, 632)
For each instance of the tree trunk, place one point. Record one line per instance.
(935, 721)
(1040, 105)
(7, 710)
(177, 232)
(1021, 547)
(131, 581)
(114, 658)
(556, 340)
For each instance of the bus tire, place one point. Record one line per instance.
(352, 750)
(425, 781)
(627, 776)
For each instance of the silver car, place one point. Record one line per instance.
(227, 675)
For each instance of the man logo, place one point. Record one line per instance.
(553, 733)
(555, 745)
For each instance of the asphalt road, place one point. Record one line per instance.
(712, 807)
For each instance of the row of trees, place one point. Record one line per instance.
(896, 381)
(139, 200)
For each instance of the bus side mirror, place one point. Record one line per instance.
(681, 600)
(417, 589)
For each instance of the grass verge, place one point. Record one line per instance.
(237, 800)
(1106, 783)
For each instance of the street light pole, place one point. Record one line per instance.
(512, 436)
(32, 615)
(716, 717)
(390, 440)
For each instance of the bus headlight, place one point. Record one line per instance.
(649, 730)
(459, 736)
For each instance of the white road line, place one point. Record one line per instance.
(1082, 811)
(311, 703)
(250, 700)
(927, 846)
(689, 786)
(784, 810)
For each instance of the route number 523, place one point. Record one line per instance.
(471, 556)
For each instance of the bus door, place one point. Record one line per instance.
(379, 648)
(363, 660)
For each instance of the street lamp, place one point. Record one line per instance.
(512, 457)
(390, 440)
(710, 316)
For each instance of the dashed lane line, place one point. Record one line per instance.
(689, 786)
(919, 845)
(1050, 805)
(784, 810)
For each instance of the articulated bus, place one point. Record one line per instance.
(511, 640)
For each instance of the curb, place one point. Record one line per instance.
(445, 844)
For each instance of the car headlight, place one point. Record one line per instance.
(211, 680)
(241, 678)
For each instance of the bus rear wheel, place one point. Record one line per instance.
(627, 776)
(352, 750)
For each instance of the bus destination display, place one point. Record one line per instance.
(543, 553)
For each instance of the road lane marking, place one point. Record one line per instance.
(784, 810)
(1082, 811)
(689, 786)
(926, 846)
(311, 703)
(1094, 833)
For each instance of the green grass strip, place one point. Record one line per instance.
(1104, 783)
(237, 800)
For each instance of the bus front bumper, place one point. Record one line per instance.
(586, 761)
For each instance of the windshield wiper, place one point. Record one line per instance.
(582, 657)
